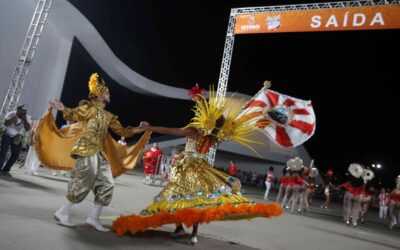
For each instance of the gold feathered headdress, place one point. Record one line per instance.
(237, 126)
(96, 88)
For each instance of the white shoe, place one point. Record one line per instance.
(63, 219)
(193, 240)
(35, 174)
(355, 224)
(179, 233)
(54, 174)
(96, 224)
(347, 223)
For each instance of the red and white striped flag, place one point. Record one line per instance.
(290, 121)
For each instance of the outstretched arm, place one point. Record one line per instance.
(127, 132)
(189, 132)
(82, 112)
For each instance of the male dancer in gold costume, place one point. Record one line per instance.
(92, 152)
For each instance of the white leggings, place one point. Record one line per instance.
(383, 212)
(268, 187)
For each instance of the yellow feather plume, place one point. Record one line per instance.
(238, 126)
(207, 112)
(93, 83)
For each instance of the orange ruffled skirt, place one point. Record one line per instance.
(197, 193)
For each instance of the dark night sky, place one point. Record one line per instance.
(347, 75)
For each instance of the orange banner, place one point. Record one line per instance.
(354, 18)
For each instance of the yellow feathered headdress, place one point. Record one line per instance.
(96, 88)
(237, 126)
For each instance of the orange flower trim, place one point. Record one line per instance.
(190, 216)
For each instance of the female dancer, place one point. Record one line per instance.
(367, 198)
(282, 186)
(311, 187)
(352, 197)
(295, 166)
(328, 187)
(197, 192)
(394, 205)
(367, 193)
(301, 190)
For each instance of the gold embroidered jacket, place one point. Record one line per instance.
(96, 122)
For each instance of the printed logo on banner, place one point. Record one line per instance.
(251, 25)
(252, 20)
(273, 22)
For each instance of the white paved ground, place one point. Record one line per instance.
(27, 204)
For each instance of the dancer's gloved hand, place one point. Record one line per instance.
(144, 125)
(57, 105)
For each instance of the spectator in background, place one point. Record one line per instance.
(253, 178)
(232, 169)
(14, 122)
(260, 181)
(384, 199)
(268, 181)
(329, 174)
(247, 175)
(240, 176)
(151, 159)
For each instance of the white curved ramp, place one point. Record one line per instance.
(49, 66)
